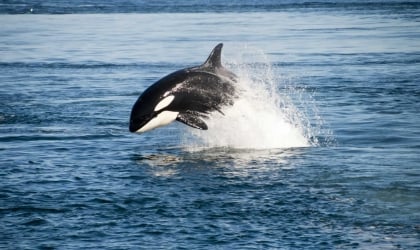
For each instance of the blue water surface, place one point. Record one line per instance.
(73, 177)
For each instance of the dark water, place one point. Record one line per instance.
(73, 177)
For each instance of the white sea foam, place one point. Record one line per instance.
(263, 116)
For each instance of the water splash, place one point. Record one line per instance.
(264, 115)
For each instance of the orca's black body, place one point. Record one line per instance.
(187, 95)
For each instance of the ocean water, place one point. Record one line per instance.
(320, 151)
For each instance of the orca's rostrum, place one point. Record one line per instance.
(188, 96)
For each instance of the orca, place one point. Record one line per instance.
(188, 95)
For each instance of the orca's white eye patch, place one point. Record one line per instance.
(164, 103)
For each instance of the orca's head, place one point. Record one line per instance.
(141, 114)
(148, 114)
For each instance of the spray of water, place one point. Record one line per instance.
(263, 116)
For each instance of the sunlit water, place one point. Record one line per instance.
(320, 150)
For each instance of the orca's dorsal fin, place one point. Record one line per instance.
(215, 58)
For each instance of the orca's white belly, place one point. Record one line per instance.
(164, 118)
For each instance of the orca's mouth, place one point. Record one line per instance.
(134, 126)
(138, 123)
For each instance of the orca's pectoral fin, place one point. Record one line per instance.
(192, 121)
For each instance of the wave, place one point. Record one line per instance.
(319, 59)
(197, 6)
(84, 65)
